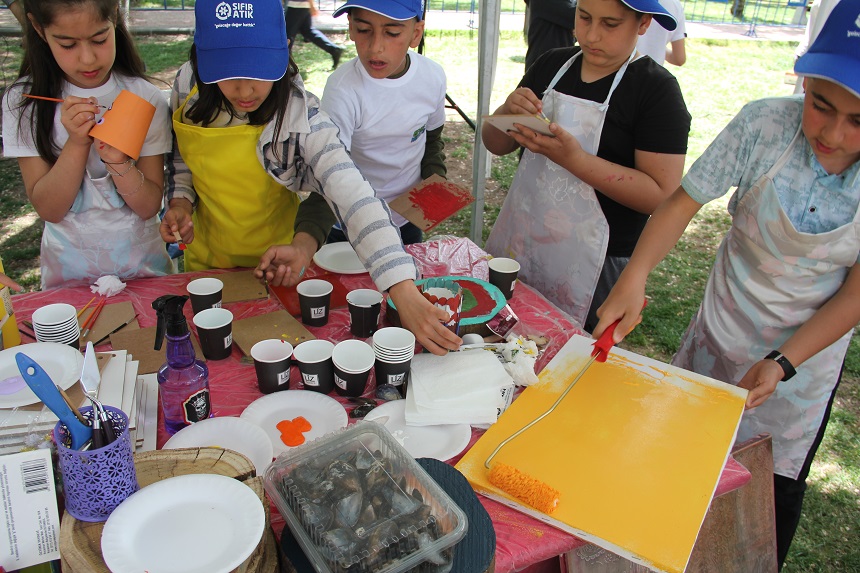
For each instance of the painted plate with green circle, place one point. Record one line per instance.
(481, 300)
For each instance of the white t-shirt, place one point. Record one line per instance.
(653, 41)
(384, 122)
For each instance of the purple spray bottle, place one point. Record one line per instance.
(183, 380)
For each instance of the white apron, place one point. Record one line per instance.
(768, 279)
(100, 236)
(551, 221)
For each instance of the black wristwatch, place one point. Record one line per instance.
(787, 368)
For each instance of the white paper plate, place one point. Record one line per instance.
(230, 433)
(199, 523)
(324, 413)
(62, 363)
(339, 258)
(441, 442)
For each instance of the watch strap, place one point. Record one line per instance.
(788, 369)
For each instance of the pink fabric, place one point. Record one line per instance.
(521, 540)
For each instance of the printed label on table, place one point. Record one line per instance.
(28, 510)
(284, 377)
(396, 379)
(318, 312)
(196, 407)
(310, 379)
(228, 340)
(341, 383)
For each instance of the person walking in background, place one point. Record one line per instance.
(99, 205)
(581, 196)
(550, 26)
(663, 45)
(389, 103)
(299, 16)
(783, 297)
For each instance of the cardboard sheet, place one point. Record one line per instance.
(139, 343)
(240, 286)
(111, 317)
(636, 450)
(431, 202)
(279, 324)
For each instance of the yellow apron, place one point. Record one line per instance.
(241, 210)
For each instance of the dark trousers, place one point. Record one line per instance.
(788, 493)
(299, 21)
(409, 234)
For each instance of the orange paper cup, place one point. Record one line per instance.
(125, 124)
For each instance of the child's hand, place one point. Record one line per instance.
(116, 161)
(523, 100)
(282, 265)
(561, 148)
(624, 304)
(423, 319)
(78, 116)
(177, 218)
(4, 280)
(761, 381)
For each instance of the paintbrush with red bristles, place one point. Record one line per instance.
(518, 483)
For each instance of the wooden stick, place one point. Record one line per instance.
(74, 409)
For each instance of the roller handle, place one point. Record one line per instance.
(604, 344)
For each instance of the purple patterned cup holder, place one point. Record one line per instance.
(95, 482)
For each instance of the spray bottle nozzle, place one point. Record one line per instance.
(170, 317)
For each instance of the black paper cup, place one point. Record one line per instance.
(314, 299)
(313, 358)
(394, 373)
(215, 330)
(352, 360)
(272, 364)
(503, 274)
(205, 293)
(364, 306)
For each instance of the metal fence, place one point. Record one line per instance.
(750, 12)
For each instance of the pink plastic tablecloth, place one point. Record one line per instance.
(521, 540)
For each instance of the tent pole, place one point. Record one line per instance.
(488, 46)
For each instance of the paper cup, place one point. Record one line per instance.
(313, 358)
(364, 306)
(352, 360)
(205, 293)
(57, 323)
(503, 274)
(447, 295)
(125, 124)
(272, 364)
(314, 299)
(215, 330)
(393, 373)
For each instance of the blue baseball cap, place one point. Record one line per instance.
(394, 9)
(835, 53)
(660, 14)
(240, 40)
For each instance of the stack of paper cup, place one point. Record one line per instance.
(394, 348)
(57, 323)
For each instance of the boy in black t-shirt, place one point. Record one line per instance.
(582, 196)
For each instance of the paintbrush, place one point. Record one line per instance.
(519, 484)
(115, 330)
(85, 307)
(92, 318)
(180, 243)
(56, 99)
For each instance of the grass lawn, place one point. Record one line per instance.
(720, 76)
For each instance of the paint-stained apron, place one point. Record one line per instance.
(241, 210)
(768, 280)
(551, 221)
(101, 235)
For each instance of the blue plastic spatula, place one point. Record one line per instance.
(43, 387)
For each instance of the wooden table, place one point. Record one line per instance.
(521, 540)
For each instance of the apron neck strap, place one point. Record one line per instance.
(615, 81)
(776, 167)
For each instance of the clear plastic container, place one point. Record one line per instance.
(356, 500)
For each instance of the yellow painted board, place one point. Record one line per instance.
(636, 450)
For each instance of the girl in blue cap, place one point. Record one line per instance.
(783, 296)
(582, 195)
(247, 134)
(100, 206)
